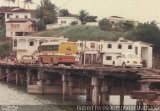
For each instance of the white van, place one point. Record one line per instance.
(123, 60)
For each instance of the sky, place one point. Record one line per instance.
(138, 10)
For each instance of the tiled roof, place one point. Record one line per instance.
(5, 9)
(19, 20)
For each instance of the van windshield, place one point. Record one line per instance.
(132, 56)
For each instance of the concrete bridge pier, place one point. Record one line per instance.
(18, 78)
(2, 73)
(65, 87)
(104, 92)
(9, 75)
(29, 76)
(70, 87)
(96, 91)
(89, 89)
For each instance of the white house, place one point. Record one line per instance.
(89, 51)
(93, 52)
(117, 19)
(141, 49)
(64, 21)
(15, 12)
(28, 45)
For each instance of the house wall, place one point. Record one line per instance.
(23, 44)
(64, 21)
(19, 14)
(12, 28)
(144, 50)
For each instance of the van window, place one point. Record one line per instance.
(108, 57)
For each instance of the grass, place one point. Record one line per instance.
(81, 33)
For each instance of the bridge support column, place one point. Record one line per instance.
(8, 73)
(121, 101)
(70, 87)
(22, 79)
(29, 77)
(104, 92)
(17, 78)
(96, 91)
(65, 87)
(88, 90)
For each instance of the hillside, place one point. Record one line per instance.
(81, 33)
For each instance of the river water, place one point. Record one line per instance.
(16, 97)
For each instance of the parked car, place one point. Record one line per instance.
(26, 59)
(128, 60)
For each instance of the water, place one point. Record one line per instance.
(18, 97)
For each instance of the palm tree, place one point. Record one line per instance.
(9, 1)
(28, 2)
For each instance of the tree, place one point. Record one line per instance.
(147, 32)
(64, 13)
(9, 1)
(46, 12)
(83, 16)
(28, 2)
(105, 24)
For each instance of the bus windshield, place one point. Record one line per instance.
(49, 48)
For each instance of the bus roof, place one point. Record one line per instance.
(55, 43)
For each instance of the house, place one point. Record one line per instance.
(19, 27)
(15, 12)
(95, 52)
(88, 51)
(28, 45)
(18, 21)
(141, 49)
(117, 19)
(64, 21)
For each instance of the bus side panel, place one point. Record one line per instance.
(68, 48)
(62, 59)
(46, 59)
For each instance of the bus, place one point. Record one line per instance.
(57, 53)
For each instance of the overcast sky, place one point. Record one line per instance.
(140, 10)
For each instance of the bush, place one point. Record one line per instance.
(105, 24)
(74, 23)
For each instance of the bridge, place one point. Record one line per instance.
(97, 83)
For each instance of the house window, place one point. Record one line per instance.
(119, 46)
(108, 57)
(109, 46)
(63, 22)
(8, 15)
(15, 43)
(14, 25)
(80, 44)
(136, 50)
(129, 46)
(17, 16)
(25, 16)
(92, 45)
(31, 43)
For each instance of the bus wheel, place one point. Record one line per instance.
(123, 65)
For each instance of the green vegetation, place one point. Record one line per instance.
(81, 33)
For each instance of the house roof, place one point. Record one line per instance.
(4, 9)
(19, 20)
